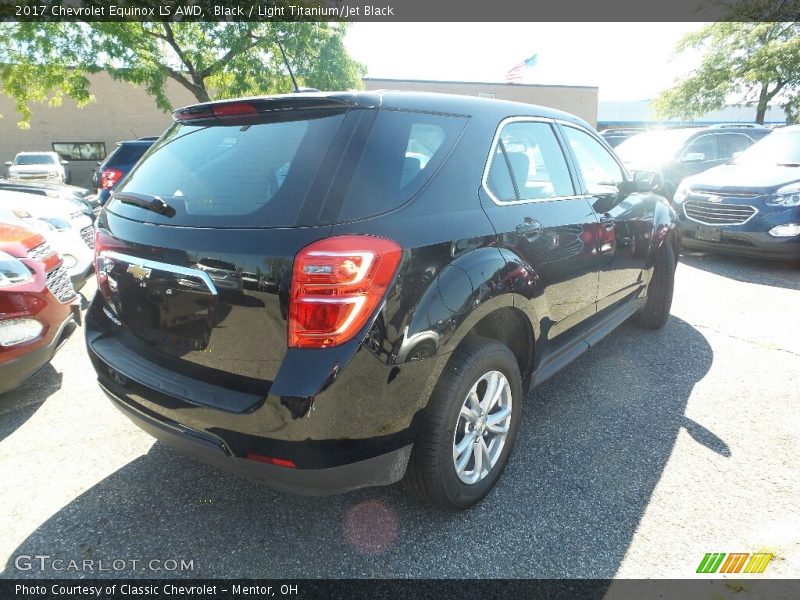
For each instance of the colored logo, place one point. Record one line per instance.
(734, 562)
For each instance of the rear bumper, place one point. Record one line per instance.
(384, 469)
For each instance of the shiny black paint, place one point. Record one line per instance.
(465, 258)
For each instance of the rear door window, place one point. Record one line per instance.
(528, 164)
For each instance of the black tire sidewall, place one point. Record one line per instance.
(488, 357)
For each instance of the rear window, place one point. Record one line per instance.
(127, 154)
(301, 168)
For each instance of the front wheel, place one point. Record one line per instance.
(655, 312)
(470, 427)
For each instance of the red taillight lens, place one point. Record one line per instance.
(109, 177)
(337, 283)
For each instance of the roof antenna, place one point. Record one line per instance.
(134, 133)
(286, 62)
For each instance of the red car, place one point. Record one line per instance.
(39, 308)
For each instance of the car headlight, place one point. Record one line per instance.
(13, 271)
(682, 193)
(788, 195)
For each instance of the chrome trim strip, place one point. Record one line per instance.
(159, 266)
(493, 149)
(755, 212)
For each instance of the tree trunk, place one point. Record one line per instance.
(761, 107)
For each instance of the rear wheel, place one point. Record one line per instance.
(469, 431)
(655, 312)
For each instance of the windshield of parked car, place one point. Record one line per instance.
(653, 147)
(35, 159)
(779, 148)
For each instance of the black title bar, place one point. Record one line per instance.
(398, 10)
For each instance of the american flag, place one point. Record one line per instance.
(517, 72)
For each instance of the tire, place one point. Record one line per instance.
(655, 312)
(431, 472)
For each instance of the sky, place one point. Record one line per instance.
(626, 61)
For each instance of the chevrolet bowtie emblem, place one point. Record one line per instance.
(139, 272)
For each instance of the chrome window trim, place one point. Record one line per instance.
(493, 149)
(159, 266)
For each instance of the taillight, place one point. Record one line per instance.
(109, 178)
(337, 283)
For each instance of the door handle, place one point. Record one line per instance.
(529, 227)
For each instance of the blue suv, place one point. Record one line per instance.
(117, 164)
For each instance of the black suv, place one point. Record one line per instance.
(334, 290)
(666, 157)
(117, 164)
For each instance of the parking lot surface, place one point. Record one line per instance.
(643, 455)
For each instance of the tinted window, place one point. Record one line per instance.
(731, 143)
(233, 174)
(80, 150)
(599, 168)
(528, 164)
(401, 153)
(126, 154)
(706, 145)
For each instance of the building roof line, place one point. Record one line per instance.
(494, 83)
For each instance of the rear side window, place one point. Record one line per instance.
(401, 153)
(528, 164)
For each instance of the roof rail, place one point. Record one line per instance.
(732, 125)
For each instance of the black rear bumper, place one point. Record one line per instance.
(380, 470)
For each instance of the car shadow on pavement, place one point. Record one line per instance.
(592, 446)
(20, 404)
(774, 273)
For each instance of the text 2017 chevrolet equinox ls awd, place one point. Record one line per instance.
(335, 290)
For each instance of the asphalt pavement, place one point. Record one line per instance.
(646, 453)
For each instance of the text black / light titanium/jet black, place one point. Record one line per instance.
(333, 290)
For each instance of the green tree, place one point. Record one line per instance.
(45, 61)
(750, 64)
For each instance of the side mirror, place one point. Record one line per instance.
(9, 163)
(64, 162)
(646, 181)
(693, 157)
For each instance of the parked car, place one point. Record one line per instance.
(38, 307)
(80, 201)
(47, 166)
(76, 256)
(614, 137)
(668, 156)
(513, 266)
(117, 164)
(751, 206)
(51, 210)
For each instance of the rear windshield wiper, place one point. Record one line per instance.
(153, 203)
